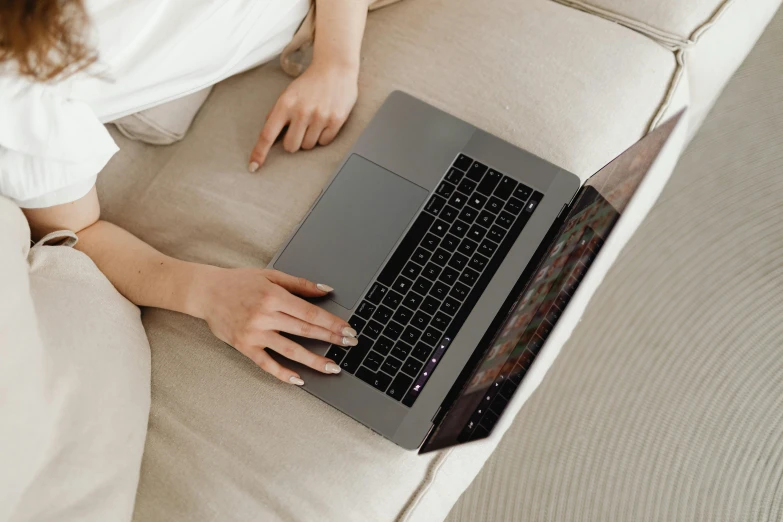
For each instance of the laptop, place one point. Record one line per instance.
(453, 254)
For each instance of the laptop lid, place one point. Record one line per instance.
(535, 304)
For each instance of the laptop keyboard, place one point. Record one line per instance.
(429, 286)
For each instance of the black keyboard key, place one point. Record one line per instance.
(441, 321)
(460, 291)
(522, 192)
(383, 314)
(449, 276)
(477, 200)
(477, 233)
(393, 331)
(391, 365)
(357, 323)
(450, 243)
(450, 306)
(441, 257)
(422, 286)
(445, 189)
(401, 351)
(476, 171)
(405, 249)
(459, 228)
(514, 206)
(420, 320)
(494, 205)
(377, 380)
(411, 270)
(458, 261)
(463, 162)
(365, 309)
(505, 188)
(533, 202)
(466, 186)
(496, 234)
(431, 271)
(469, 277)
(336, 354)
(505, 219)
(402, 285)
(373, 329)
(458, 200)
(430, 305)
(421, 352)
(449, 214)
(478, 262)
(412, 300)
(467, 247)
(487, 248)
(431, 336)
(421, 256)
(439, 291)
(392, 299)
(411, 367)
(485, 219)
(430, 242)
(399, 386)
(489, 182)
(373, 360)
(439, 228)
(383, 345)
(376, 293)
(468, 214)
(435, 205)
(403, 315)
(410, 335)
(356, 354)
(454, 175)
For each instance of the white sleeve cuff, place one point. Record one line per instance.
(60, 196)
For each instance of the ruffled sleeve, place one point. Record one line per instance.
(51, 146)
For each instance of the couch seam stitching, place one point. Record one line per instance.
(424, 486)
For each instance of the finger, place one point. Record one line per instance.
(285, 323)
(275, 122)
(296, 131)
(328, 134)
(291, 350)
(317, 125)
(259, 356)
(312, 314)
(298, 285)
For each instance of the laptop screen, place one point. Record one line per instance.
(534, 307)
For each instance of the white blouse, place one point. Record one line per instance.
(52, 140)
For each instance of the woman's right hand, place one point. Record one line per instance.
(249, 307)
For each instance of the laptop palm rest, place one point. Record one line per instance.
(352, 229)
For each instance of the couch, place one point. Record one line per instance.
(573, 82)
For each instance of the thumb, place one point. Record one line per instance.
(298, 285)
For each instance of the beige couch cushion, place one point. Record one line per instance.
(227, 441)
(74, 384)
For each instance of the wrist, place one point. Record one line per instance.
(200, 286)
(347, 65)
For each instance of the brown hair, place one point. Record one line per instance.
(46, 39)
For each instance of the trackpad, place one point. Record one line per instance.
(352, 229)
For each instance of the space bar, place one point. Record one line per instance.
(405, 249)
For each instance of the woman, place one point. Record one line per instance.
(66, 66)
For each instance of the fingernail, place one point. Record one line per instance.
(350, 341)
(332, 368)
(324, 288)
(296, 380)
(348, 331)
(253, 166)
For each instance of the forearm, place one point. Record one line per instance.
(339, 31)
(143, 275)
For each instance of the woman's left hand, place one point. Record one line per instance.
(314, 107)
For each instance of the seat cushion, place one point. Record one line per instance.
(227, 441)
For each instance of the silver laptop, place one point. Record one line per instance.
(452, 253)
